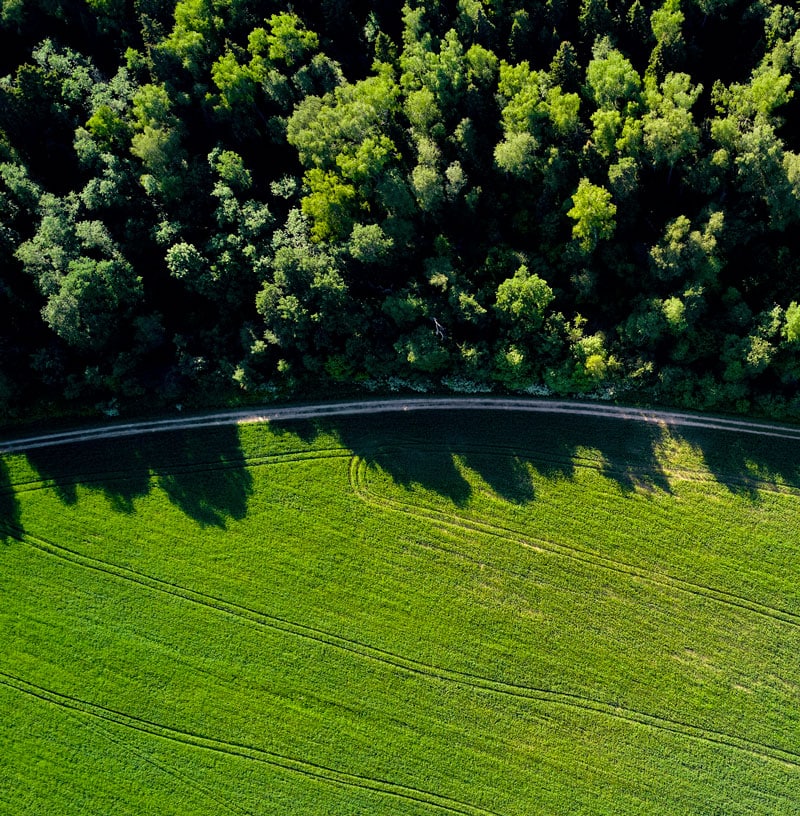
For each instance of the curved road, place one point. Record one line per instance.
(396, 405)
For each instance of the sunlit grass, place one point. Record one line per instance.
(449, 613)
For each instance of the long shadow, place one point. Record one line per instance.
(213, 482)
(9, 506)
(744, 463)
(507, 473)
(118, 468)
(628, 451)
(413, 449)
(518, 444)
(504, 449)
(203, 472)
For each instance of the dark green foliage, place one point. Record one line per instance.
(204, 196)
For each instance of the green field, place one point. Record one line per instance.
(441, 613)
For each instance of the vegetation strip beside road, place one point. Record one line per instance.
(356, 407)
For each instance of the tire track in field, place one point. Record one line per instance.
(454, 521)
(127, 748)
(302, 767)
(411, 665)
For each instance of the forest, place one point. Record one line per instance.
(217, 201)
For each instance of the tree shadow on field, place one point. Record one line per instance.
(746, 463)
(10, 521)
(404, 447)
(213, 482)
(202, 471)
(505, 449)
(557, 447)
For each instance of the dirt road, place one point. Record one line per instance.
(398, 405)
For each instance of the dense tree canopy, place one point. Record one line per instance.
(209, 198)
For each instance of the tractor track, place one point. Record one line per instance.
(411, 665)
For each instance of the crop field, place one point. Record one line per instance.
(476, 613)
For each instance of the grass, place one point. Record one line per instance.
(445, 613)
